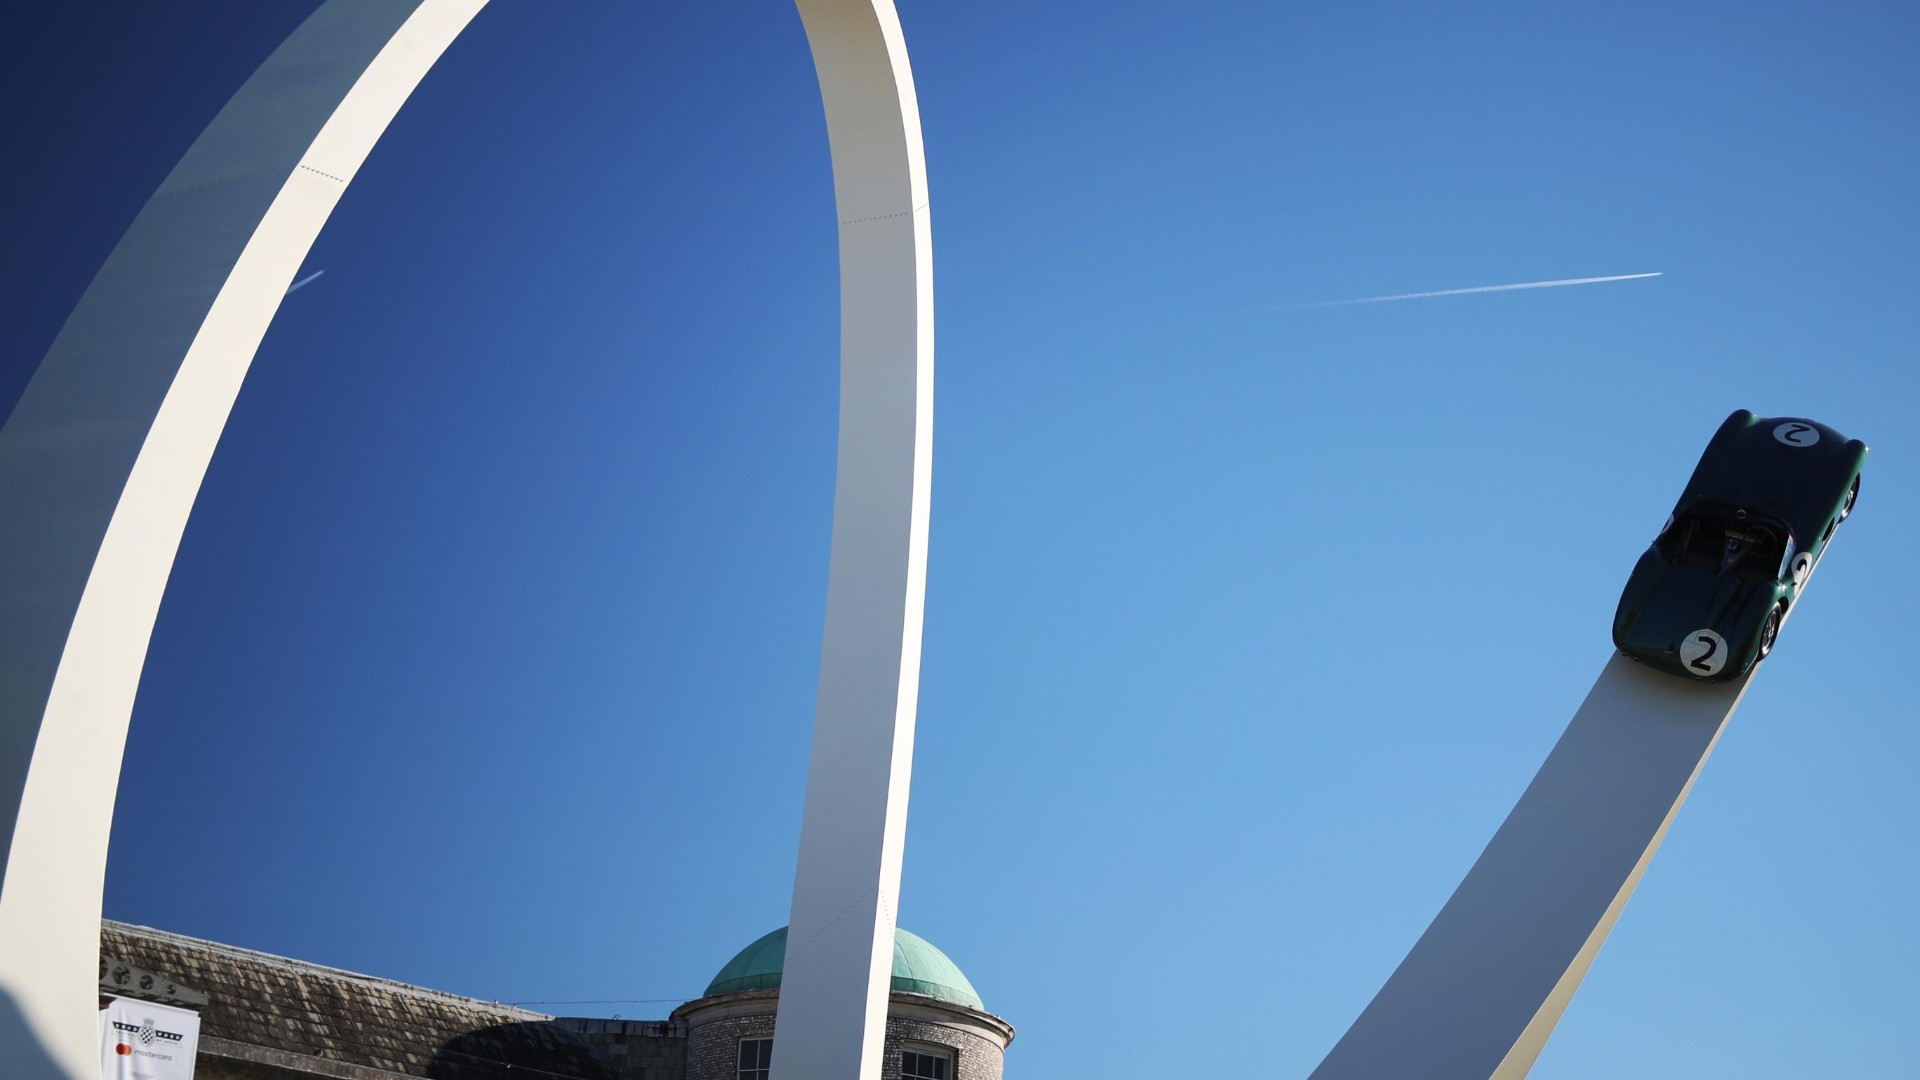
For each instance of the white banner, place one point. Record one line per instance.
(140, 1040)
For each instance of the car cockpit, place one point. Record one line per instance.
(1728, 540)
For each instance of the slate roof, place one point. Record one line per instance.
(320, 1012)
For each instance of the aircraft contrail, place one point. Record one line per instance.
(1483, 289)
(303, 281)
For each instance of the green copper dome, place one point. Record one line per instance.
(918, 968)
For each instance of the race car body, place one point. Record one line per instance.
(1707, 599)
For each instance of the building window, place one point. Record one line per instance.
(926, 1063)
(756, 1058)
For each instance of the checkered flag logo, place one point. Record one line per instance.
(146, 1033)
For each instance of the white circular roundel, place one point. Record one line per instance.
(1797, 433)
(1703, 653)
(1802, 566)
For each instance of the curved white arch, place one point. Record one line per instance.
(105, 452)
(839, 963)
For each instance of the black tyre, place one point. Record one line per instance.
(1852, 494)
(1770, 632)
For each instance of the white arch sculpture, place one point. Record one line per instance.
(1485, 985)
(1482, 990)
(104, 454)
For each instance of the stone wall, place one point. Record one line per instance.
(637, 1049)
(974, 1058)
(716, 1025)
(713, 1047)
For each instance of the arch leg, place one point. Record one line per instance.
(103, 456)
(833, 1000)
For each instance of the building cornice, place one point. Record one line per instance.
(900, 1004)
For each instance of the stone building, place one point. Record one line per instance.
(937, 1027)
(266, 1017)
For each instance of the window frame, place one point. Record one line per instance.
(741, 1071)
(948, 1054)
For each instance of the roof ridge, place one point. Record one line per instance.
(288, 963)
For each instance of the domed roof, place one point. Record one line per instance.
(918, 968)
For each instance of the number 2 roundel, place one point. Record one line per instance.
(1703, 653)
(1797, 433)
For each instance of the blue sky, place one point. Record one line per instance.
(489, 657)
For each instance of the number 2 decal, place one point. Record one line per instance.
(1703, 653)
(1797, 433)
(1705, 660)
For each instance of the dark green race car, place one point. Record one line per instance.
(1707, 599)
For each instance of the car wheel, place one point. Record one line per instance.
(1769, 633)
(1852, 494)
